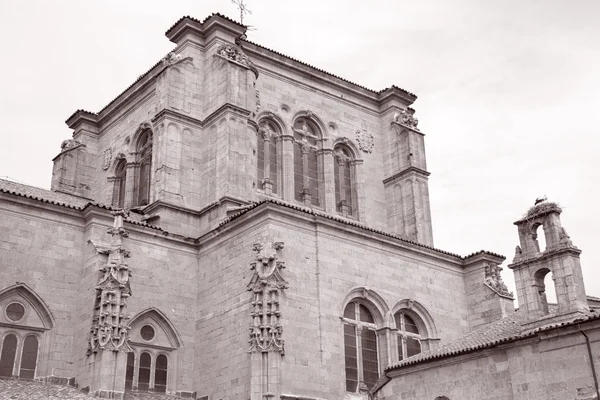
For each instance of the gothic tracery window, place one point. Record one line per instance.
(144, 159)
(409, 337)
(267, 154)
(345, 190)
(120, 178)
(307, 163)
(360, 347)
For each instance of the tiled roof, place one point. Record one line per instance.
(15, 389)
(59, 199)
(505, 330)
(346, 221)
(329, 73)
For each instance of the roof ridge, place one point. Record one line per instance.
(357, 224)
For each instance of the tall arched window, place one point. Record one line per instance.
(118, 199)
(144, 159)
(129, 371)
(307, 163)
(29, 357)
(409, 337)
(160, 374)
(144, 372)
(268, 168)
(7, 356)
(345, 190)
(360, 347)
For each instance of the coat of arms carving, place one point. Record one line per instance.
(365, 140)
(106, 159)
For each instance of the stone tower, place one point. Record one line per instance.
(406, 187)
(560, 257)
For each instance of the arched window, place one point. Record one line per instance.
(144, 159)
(144, 372)
(129, 371)
(345, 190)
(160, 374)
(360, 347)
(409, 337)
(307, 162)
(268, 166)
(118, 199)
(29, 358)
(7, 356)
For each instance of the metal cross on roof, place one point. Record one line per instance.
(243, 9)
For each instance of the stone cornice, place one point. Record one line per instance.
(399, 127)
(548, 253)
(411, 169)
(227, 107)
(167, 113)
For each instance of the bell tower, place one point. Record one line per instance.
(560, 257)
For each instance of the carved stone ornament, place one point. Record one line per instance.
(106, 159)
(406, 118)
(234, 53)
(494, 281)
(365, 140)
(171, 58)
(69, 144)
(109, 323)
(266, 286)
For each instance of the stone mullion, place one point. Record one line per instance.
(328, 180)
(305, 178)
(267, 183)
(359, 356)
(360, 199)
(152, 372)
(287, 159)
(131, 189)
(136, 371)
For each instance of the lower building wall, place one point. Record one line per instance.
(545, 367)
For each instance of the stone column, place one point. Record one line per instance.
(287, 159)
(328, 180)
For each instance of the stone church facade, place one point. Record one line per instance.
(237, 224)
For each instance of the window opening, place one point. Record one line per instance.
(119, 184)
(307, 184)
(409, 337)
(144, 151)
(144, 372)
(129, 371)
(160, 374)
(147, 332)
(15, 312)
(345, 192)
(267, 158)
(360, 347)
(7, 357)
(29, 358)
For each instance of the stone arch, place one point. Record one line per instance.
(420, 315)
(161, 320)
(21, 291)
(143, 127)
(349, 144)
(275, 119)
(372, 300)
(311, 117)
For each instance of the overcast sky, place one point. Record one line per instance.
(509, 92)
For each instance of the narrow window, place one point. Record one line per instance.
(268, 168)
(144, 372)
(119, 184)
(360, 347)
(160, 374)
(29, 358)
(345, 191)
(129, 371)
(144, 154)
(409, 343)
(7, 357)
(307, 163)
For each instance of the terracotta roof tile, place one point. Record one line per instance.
(505, 330)
(59, 199)
(15, 389)
(311, 211)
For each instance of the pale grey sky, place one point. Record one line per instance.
(509, 91)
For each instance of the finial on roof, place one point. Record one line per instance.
(243, 9)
